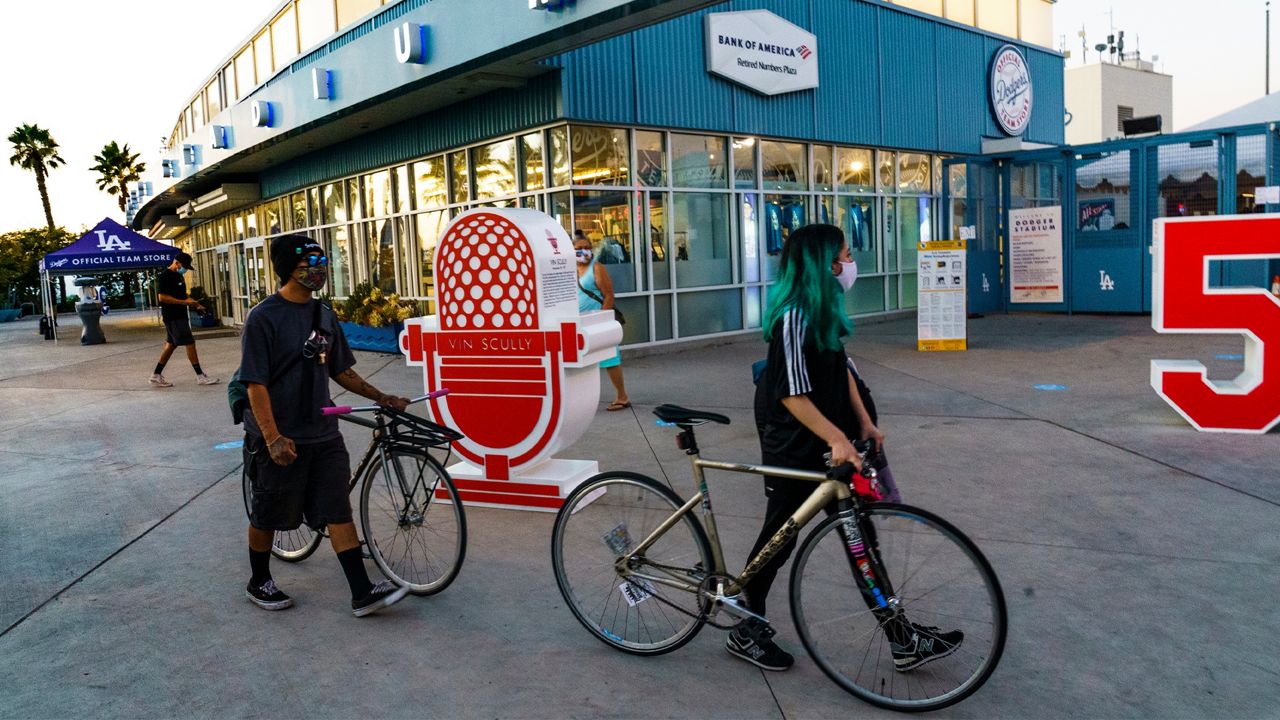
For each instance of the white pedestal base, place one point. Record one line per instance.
(541, 488)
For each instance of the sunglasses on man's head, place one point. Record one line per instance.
(314, 260)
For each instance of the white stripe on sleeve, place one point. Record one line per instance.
(793, 332)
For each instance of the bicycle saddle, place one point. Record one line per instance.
(677, 415)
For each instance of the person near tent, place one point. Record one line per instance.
(177, 323)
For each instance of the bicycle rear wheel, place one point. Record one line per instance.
(606, 517)
(941, 584)
(413, 521)
(289, 545)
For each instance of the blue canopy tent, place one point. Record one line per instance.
(108, 247)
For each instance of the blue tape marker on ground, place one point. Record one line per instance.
(1229, 356)
(233, 445)
(1052, 388)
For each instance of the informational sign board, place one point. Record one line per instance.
(761, 51)
(943, 290)
(1035, 255)
(1097, 215)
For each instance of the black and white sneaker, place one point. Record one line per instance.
(383, 595)
(267, 596)
(754, 643)
(925, 645)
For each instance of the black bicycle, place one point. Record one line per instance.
(411, 518)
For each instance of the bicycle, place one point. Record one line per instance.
(639, 571)
(405, 495)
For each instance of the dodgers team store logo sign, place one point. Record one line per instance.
(1010, 87)
(761, 51)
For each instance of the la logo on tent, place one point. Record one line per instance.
(111, 242)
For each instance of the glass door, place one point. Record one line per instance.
(222, 279)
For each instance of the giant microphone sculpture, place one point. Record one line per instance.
(519, 360)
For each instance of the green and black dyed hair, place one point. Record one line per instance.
(805, 282)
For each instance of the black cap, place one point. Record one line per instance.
(183, 259)
(286, 250)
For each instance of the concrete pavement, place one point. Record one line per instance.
(1138, 557)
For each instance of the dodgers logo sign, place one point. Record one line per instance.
(1010, 87)
(111, 242)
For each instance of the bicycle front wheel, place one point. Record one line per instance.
(908, 656)
(413, 521)
(289, 545)
(607, 517)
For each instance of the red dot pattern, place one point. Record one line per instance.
(485, 277)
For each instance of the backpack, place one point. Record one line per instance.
(238, 393)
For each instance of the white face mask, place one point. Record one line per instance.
(848, 274)
(584, 256)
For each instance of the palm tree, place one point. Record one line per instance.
(117, 167)
(35, 150)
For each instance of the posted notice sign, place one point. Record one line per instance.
(943, 289)
(1035, 255)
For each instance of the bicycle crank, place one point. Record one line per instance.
(714, 596)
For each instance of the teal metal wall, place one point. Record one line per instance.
(889, 78)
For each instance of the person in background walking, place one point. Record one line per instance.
(174, 302)
(595, 292)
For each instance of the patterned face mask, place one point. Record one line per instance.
(312, 278)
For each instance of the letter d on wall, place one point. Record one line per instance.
(411, 43)
(1183, 302)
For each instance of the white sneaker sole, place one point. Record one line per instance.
(382, 604)
(925, 661)
(214, 381)
(277, 605)
(157, 383)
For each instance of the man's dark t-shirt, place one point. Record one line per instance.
(797, 367)
(171, 283)
(274, 334)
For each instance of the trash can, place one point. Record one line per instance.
(90, 312)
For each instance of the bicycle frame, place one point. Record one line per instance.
(381, 445)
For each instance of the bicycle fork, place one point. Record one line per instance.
(869, 573)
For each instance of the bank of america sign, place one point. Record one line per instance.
(761, 51)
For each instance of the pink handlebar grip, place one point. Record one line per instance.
(438, 393)
(339, 410)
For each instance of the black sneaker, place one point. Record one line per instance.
(383, 595)
(754, 643)
(267, 596)
(925, 645)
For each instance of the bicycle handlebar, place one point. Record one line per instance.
(345, 409)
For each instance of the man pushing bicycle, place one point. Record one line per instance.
(297, 463)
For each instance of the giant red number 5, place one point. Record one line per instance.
(1183, 302)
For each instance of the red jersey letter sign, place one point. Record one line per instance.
(519, 361)
(1183, 302)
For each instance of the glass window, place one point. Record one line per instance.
(533, 175)
(605, 218)
(403, 200)
(213, 93)
(662, 317)
(637, 311)
(380, 254)
(338, 248)
(651, 158)
(560, 175)
(915, 225)
(709, 311)
(700, 239)
(890, 238)
(749, 233)
(316, 21)
(914, 173)
(744, 163)
(197, 113)
(459, 177)
(783, 215)
(377, 194)
(333, 200)
(998, 16)
(354, 209)
(431, 226)
(245, 81)
(888, 159)
(558, 208)
(784, 165)
(251, 224)
(1102, 190)
(350, 11)
(1187, 177)
(698, 161)
(854, 170)
(1036, 19)
(271, 218)
(822, 167)
(659, 251)
(599, 155)
(1251, 172)
(430, 183)
(856, 216)
(298, 211)
(284, 37)
(495, 166)
(262, 56)
(960, 11)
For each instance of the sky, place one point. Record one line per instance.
(91, 72)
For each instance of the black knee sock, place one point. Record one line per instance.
(196, 367)
(353, 567)
(159, 368)
(260, 564)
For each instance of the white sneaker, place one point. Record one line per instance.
(206, 380)
(158, 380)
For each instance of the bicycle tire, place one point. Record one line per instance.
(288, 545)
(603, 508)
(398, 537)
(824, 588)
